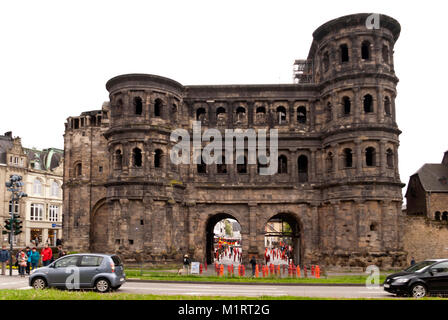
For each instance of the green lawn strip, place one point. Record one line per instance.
(153, 275)
(54, 294)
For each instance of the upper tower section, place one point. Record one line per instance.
(141, 99)
(358, 43)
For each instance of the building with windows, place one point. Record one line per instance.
(41, 171)
(337, 185)
(427, 192)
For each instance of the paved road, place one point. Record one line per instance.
(191, 289)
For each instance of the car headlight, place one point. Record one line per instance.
(401, 280)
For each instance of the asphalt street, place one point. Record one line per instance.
(197, 289)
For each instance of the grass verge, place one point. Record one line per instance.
(154, 275)
(55, 294)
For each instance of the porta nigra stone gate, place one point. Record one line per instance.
(337, 183)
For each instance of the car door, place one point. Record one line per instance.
(60, 271)
(89, 267)
(439, 277)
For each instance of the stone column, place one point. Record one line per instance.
(382, 157)
(291, 119)
(293, 169)
(312, 114)
(335, 147)
(312, 167)
(359, 159)
(356, 104)
(253, 227)
(380, 106)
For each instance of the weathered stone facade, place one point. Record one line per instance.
(339, 189)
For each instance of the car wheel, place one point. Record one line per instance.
(39, 283)
(419, 291)
(102, 285)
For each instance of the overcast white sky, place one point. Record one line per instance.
(56, 56)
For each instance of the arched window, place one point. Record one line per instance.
(348, 158)
(365, 50)
(200, 114)
(329, 112)
(344, 53)
(370, 157)
(261, 110)
(118, 160)
(346, 104)
(260, 114)
(78, 170)
(437, 216)
(119, 107)
(301, 114)
(240, 114)
(390, 158)
(221, 168)
(174, 112)
(158, 154)
(241, 164)
(158, 105)
(387, 106)
(329, 161)
(282, 164)
(138, 105)
(368, 103)
(55, 189)
(445, 216)
(137, 157)
(302, 166)
(220, 110)
(281, 115)
(37, 187)
(326, 61)
(385, 53)
(201, 166)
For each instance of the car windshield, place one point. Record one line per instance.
(419, 266)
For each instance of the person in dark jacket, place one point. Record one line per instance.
(4, 258)
(187, 263)
(253, 262)
(28, 264)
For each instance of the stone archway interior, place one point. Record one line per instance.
(223, 240)
(282, 240)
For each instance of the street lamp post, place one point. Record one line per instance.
(15, 186)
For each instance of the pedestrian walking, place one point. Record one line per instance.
(412, 261)
(187, 263)
(4, 257)
(253, 262)
(33, 258)
(47, 255)
(22, 259)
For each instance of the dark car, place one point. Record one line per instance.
(421, 279)
(102, 272)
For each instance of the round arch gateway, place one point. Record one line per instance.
(223, 239)
(99, 229)
(283, 240)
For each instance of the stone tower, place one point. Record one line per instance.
(337, 183)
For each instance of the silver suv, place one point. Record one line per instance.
(102, 272)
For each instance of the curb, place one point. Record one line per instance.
(252, 283)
